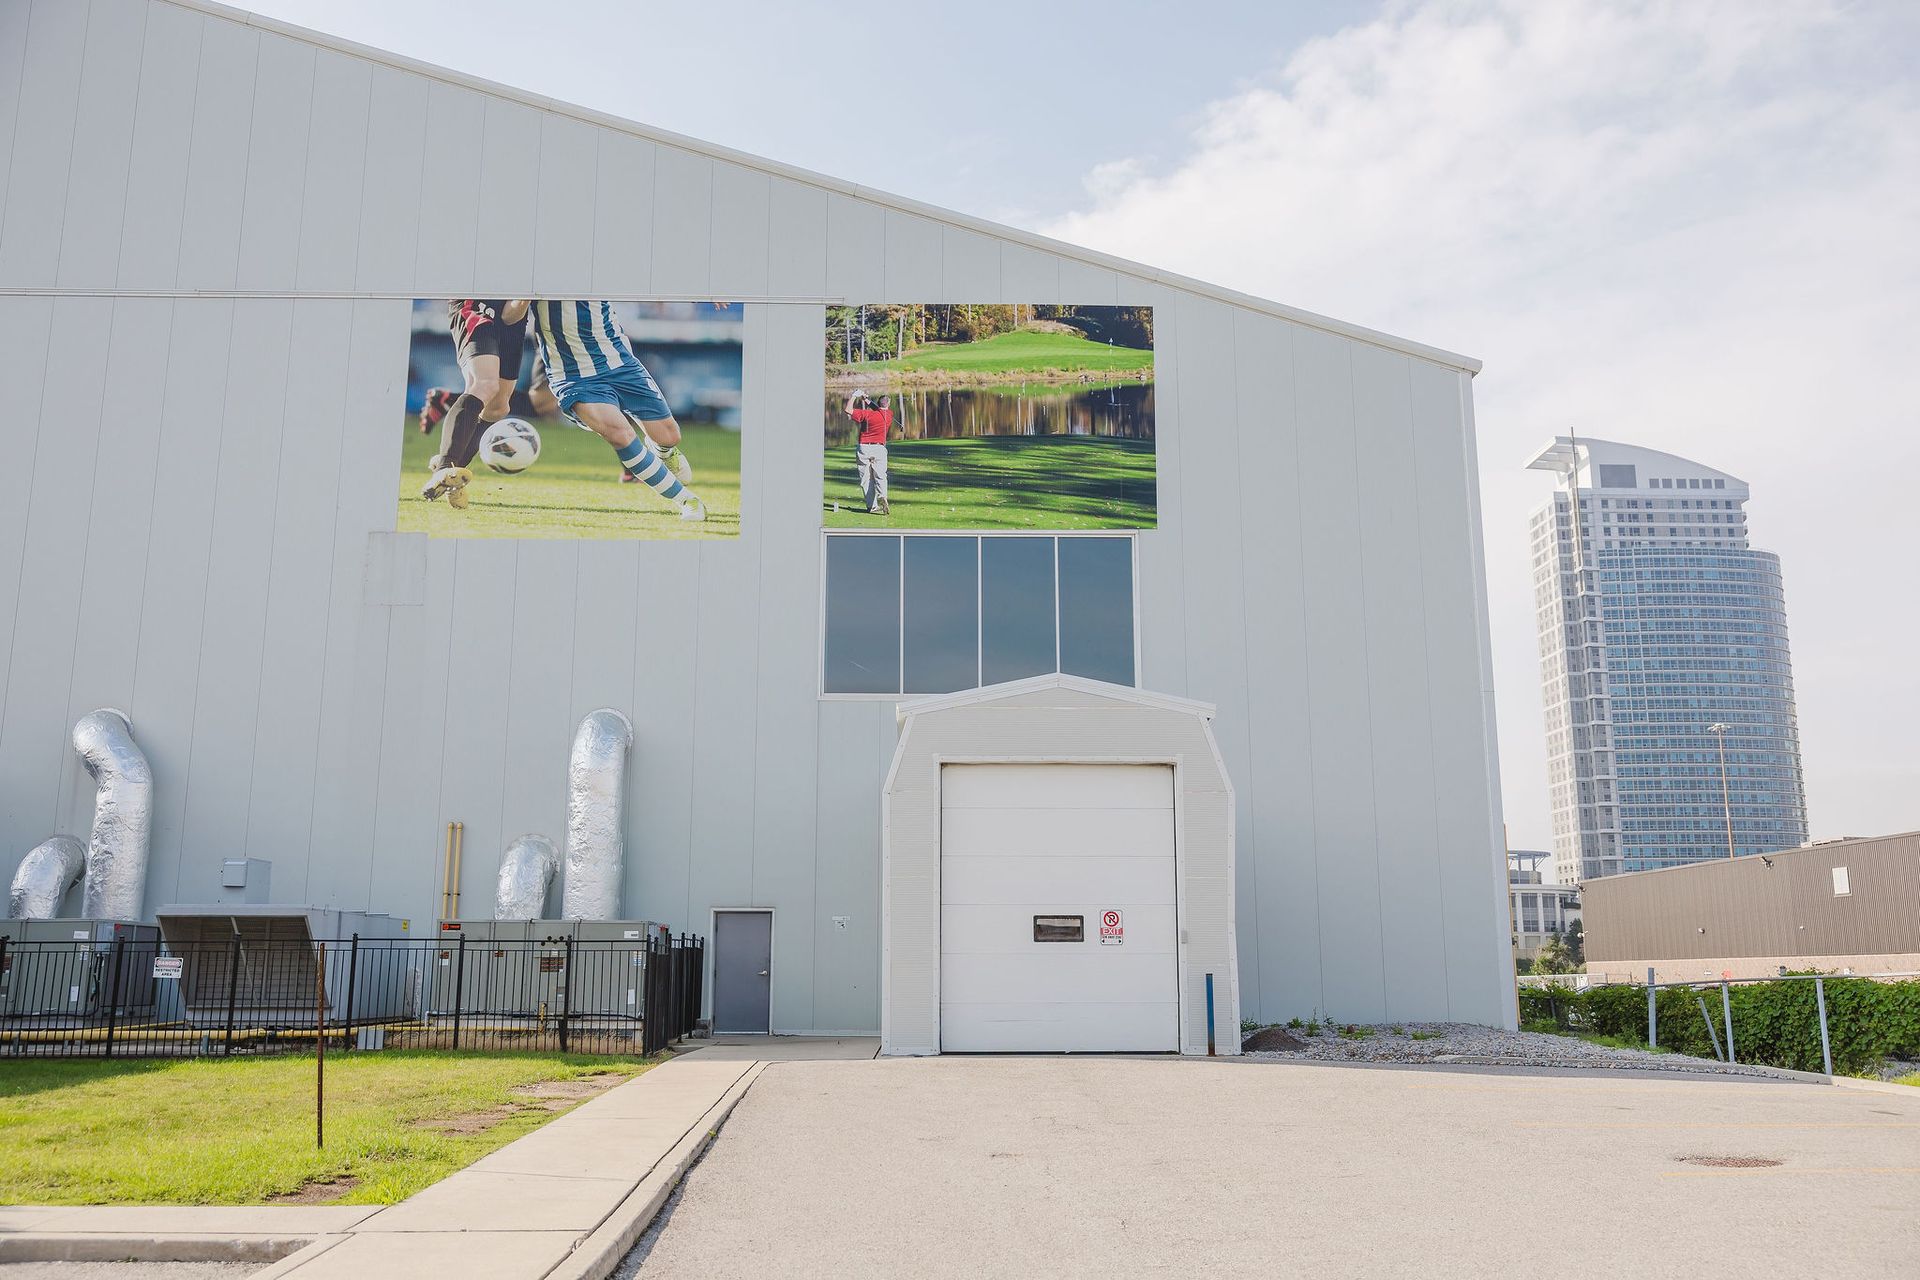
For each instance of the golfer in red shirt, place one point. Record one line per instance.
(874, 419)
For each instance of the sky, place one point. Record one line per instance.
(1693, 225)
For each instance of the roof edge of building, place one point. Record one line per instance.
(965, 222)
(1817, 846)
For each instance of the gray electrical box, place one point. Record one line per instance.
(68, 967)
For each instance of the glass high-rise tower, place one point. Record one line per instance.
(1663, 653)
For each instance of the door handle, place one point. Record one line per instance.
(762, 973)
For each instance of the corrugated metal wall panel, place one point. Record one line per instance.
(1352, 960)
(96, 193)
(1744, 907)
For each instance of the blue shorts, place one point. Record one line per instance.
(630, 388)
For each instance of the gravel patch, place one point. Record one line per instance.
(1443, 1042)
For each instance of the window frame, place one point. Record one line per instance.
(821, 693)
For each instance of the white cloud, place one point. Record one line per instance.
(1690, 225)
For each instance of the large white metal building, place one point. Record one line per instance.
(213, 228)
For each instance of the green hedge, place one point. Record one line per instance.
(1774, 1023)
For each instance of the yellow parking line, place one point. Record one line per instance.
(1735, 1173)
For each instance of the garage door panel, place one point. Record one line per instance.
(1138, 977)
(1076, 786)
(1070, 1026)
(1014, 881)
(1008, 928)
(1055, 833)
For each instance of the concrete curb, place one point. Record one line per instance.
(595, 1257)
(28, 1246)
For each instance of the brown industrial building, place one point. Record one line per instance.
(1842, 906)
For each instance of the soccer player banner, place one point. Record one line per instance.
(989, 416)
(572, 418)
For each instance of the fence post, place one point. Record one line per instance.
(566, 993)
(353, 973)
(680, 1023)
(320, 1047)
(1653, 1021)
(1820, 999)
(233, 990)
(459, 987)
(1711, 1034)
(1726, 1016)
(115, 959)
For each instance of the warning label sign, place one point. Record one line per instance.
(1113, 929)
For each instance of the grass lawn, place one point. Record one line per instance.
(1913, 1080)
(1022, 351)
(1002, 482)
(241, 1132)
(573, 491)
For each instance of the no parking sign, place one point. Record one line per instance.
(1113, 929)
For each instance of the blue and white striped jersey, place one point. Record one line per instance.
(580, 340)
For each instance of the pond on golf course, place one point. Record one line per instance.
(1124, 411)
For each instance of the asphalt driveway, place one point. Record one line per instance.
(1109, 1166)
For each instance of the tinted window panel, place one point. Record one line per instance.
(863, 615)
(942, 614)
(1096, 608)
(1016, 608)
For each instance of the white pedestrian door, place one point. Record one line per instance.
(1057, 909)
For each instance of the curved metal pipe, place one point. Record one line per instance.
(596, 787)
(527, 870)
(116, 884)
(41, 881)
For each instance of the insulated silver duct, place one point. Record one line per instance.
(41, 881)
(122, 816)
(526, 872)
(596, 785)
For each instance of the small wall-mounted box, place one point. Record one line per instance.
(247, 880)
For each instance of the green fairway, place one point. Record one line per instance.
(573, 491)
(1022, 351)
(241, 1131)
(1002, 482)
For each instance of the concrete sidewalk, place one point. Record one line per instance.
(564, 1202)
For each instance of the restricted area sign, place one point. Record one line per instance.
(168, 966)
(1113, 928)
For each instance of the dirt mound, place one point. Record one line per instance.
(1272, 1040)
(317, 1192)
(557, 1095)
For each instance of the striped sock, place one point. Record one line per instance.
(646, 466)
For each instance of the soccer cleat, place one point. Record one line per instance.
(448, 482)
(677, 463)
(439, 400)
(692, 509)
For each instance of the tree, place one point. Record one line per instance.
(1556, 956)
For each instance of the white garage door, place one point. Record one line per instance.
(1035, 853)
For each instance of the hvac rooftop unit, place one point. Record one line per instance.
(540, 968)
(262, 963)
(67, 968)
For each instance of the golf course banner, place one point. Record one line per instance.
(571, 418)
(990, 416)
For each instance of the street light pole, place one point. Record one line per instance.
(1719, 730)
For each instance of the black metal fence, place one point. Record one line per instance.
(136, 997)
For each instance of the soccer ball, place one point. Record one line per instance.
(510, 446)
